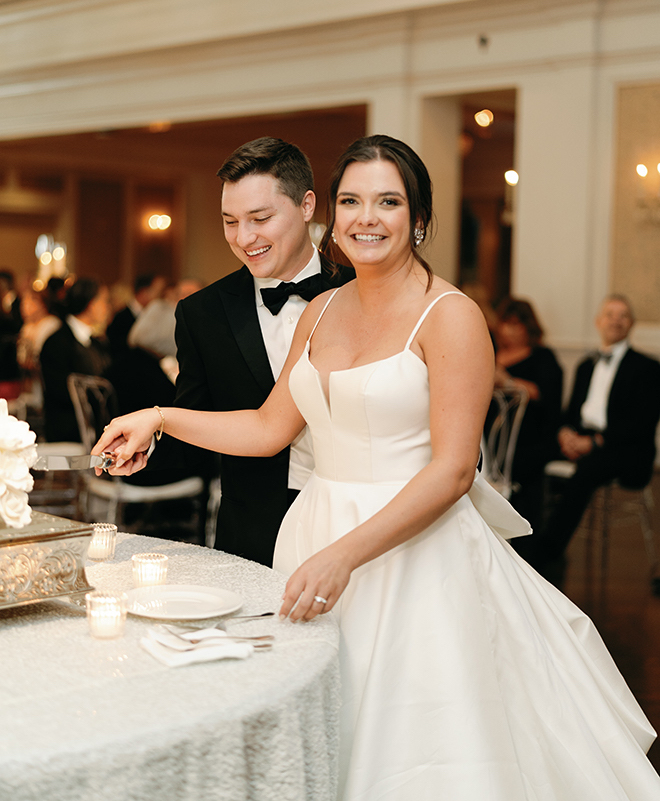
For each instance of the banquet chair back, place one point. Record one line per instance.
(95, 404)
(499, 441)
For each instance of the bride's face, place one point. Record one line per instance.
(372, 216)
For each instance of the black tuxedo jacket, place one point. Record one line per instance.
(633, 410)
(63, 354)
(223, 367)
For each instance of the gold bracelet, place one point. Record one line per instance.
(159, 433)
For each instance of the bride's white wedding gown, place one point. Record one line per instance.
(466, 676)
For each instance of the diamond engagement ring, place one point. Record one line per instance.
(320, 600)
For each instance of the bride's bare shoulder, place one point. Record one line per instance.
(455, 311)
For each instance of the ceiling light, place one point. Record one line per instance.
(484, 117)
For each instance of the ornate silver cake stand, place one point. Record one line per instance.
(43, 560)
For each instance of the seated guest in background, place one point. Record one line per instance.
(73, 348)
(522, 361)
(154, 328)
(146, 288)
(121, 294)
(145, 376)
(38, 325)
(608, 431)
(56, 290)
(147, 372)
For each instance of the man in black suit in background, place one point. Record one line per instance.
(231, 347)
(609, 428)
(146, 287)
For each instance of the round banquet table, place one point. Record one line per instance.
(85, 719)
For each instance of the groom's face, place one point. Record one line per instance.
(265, 229)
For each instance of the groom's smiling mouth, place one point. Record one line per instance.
(258, 251)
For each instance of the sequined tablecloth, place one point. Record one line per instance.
(83, 719)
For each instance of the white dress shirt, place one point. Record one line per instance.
(277, 331)
(593, 413)
(135, 306)
(81, 331)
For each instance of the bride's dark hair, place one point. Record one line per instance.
(414, 175)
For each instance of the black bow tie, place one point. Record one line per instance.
(604, 357)
(275, 297)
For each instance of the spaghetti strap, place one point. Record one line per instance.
(425, 312)
(318, 320)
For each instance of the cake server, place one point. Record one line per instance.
(62, 461)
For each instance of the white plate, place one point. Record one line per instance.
(182, 602)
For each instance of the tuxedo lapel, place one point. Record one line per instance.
(238, 300)
(239, 305)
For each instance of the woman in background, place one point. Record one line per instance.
(523, 362)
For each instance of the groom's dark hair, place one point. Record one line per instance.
(268, 156)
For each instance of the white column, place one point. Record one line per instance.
(440, 129)
(389, 112)
(553, 257)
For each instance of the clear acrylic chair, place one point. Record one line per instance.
(94, 403)
(499, 443)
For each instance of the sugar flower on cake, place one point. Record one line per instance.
(17, 454)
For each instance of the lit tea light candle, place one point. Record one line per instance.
(149, 568)
(106, 614)
(104, 538)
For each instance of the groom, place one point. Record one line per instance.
(233, 336)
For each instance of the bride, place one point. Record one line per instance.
(464, 674)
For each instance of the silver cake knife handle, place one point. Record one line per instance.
(57, 461)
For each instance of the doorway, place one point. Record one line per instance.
(487, 214)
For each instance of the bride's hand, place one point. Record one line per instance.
(325, 576)
(128, 437)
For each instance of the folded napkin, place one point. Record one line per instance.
(171, 651)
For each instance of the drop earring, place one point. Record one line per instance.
(334, 238)
(418, 236)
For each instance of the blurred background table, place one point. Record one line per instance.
(84, 719)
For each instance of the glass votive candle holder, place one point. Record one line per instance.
(104, 539)
(149, 568)
(106, 613)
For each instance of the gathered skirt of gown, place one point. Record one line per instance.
(465, 675)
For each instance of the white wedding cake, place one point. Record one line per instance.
(18, 453)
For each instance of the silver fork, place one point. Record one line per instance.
(222, 625)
